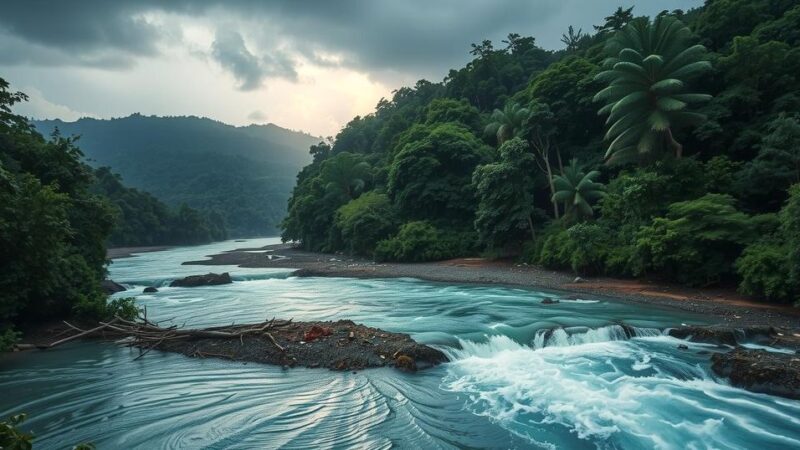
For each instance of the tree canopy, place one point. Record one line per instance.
(686, 179)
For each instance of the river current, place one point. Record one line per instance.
(509, 384)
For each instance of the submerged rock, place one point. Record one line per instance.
(150, 290)
(707, 335)
(760, 371)
(549, 301)
(209, 279)
(111, 287)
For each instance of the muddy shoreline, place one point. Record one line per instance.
(723, 306)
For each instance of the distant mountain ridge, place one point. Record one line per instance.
(244, 173)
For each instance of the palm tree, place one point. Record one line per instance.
(572, 39)
(647, 98)
(345, 175)
(508, 122)
(577, 190)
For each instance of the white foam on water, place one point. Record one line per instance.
(768, 348)
(602, 387)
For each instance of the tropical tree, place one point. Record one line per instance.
(508, 122)
(430, 177)
(616, 21)
(572, 39)
(504, 190)
(345, 175)
(540, 128)
(578, 190)
(648, 97)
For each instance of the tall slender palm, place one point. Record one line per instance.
(648, 98)
(577, 190)
(508, 122)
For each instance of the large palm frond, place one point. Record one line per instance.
(577, 190)
(648, 96)
(507, 123)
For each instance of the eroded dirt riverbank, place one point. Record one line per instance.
(723, 306)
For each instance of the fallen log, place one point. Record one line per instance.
(344, 345)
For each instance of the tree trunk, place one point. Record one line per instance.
(675, 145)
(560, 164)
(552, 187)
(533, 232)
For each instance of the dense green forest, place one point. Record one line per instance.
(242, 174)
(53, 229)
(141, 219)
(665, 146)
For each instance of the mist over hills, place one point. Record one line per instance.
(244, 173)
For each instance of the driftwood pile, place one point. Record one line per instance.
(147, 335)
(336, 345)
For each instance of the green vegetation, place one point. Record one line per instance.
(648, 69)
(577, 190)
(53, 229)
(11, 437)
(142, 219)
(689, 179)
(241, 174)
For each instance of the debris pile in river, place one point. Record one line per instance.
(339, 345)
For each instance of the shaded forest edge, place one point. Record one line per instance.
(57, 216)
(665, 146)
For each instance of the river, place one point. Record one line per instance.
(587, 386)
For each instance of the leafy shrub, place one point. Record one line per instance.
(589, 243)
(11, 437)
(582, 247)
(696, 242)
(790, 230)
(420, 241)
(8, 337)
(764, 271)
(637, 196)
(365, 221)
(98, 308)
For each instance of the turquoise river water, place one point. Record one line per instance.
(586, 386)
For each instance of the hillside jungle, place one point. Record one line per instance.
(663, 147)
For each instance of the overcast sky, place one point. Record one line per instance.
(309, 65)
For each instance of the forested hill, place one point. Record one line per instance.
(661, 146)
(243, 173)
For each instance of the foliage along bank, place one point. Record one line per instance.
(686, 173)
(56, 217)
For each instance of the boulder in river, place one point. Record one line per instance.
(150, 290)
(708, 335)
(760, 371)
(209, 279)
(111, 287)
(723, 335)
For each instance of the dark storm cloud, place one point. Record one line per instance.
(230, 50)
(404, 36)
(90, 32)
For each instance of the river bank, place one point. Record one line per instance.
(724, 305)
(127, 252)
